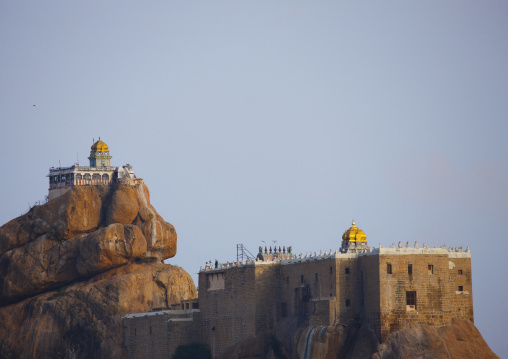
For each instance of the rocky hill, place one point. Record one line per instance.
(355, 340)
(69, 269)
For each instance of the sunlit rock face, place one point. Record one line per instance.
(71, 267)
(87, 231)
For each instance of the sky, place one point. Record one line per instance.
(260, 121)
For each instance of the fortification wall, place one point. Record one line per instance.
(371, 291)
(390, 288)
(146, 336)
(420, 289)
(350, 299)
(461, 302)
(228, 306)
(181, 331)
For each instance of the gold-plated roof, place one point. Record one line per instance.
(354, 234)
(100, 146)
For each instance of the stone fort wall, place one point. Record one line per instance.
(376, 287)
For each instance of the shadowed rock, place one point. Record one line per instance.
(294, 339)
(83, 320)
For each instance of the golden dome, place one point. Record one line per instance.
(354, 234)
(100, 146)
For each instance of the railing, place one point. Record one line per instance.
(80, 183)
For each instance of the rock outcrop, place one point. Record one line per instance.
(294, 339)
(87, 231)
(461, 339)
(83, 320)
(69, 269)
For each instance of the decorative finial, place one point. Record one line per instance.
(353, 222)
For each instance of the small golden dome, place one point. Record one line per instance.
(354, 234)
(100, 146)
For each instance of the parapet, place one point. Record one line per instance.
(290, 258)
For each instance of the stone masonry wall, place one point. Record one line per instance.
(372, 290)
(245, 300)
(432, 284)
(146, 336)
(460, 275)
(183, 332)
(227, 315)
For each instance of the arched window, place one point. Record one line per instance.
(79, 176)
(96, 176)
(105, 177)
(87, 177)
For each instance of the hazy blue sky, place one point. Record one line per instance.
(257, 121)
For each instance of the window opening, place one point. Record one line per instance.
(347, 270)
(431, 269)
(411, 299)
(389, 268)
(410, 269)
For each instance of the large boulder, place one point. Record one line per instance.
(110, 247)
(78, 211)
(83, 320)
(124, 206)
(87, 231)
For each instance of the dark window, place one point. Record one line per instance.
(347, 270)
(348, 302)
(461, 288)
(105, 177)
(287, 280)
(460, 271)
(96, 176)
(410, 269)
(150, 329)
(389, 268)
(331, 270)
(79, 176)
(134, 331)
(87, 177)
(301, 279)
(316, 276)
(195, 305)
(431, 269)
(411, 298)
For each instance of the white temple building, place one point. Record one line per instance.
(99, 172)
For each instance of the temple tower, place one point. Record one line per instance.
(354, 240)
(99, 155)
